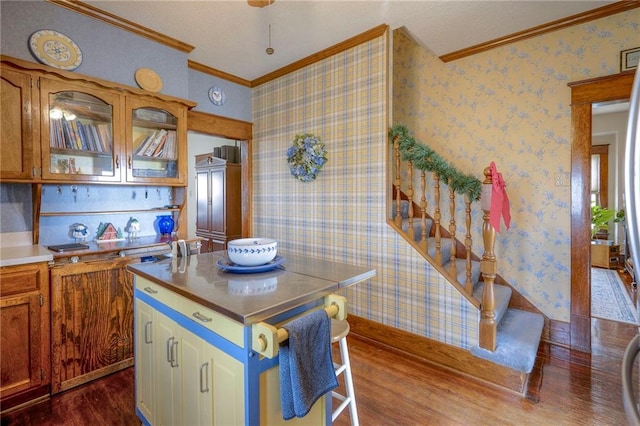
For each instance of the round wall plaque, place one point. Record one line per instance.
(55, 49)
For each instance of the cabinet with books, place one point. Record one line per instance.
(156, 148)
(79, 132)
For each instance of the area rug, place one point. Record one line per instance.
(609, 298)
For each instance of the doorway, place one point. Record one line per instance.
(583, 95)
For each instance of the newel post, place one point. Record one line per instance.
(488, 268)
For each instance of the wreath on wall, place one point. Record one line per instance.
(306, 157)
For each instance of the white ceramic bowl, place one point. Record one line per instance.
(252, 251)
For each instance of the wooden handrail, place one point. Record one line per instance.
(406, 154)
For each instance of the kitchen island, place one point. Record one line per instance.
(198, 355)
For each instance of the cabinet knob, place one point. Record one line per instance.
(130, 162)
(117, 161)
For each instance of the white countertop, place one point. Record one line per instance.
(21, 255)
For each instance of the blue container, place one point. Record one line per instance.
(165, 224)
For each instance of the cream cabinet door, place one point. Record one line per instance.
(213, 384)
(144, 360)
(166, 335)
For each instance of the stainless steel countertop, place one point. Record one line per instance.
(297, 281)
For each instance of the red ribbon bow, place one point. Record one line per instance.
(499, 200)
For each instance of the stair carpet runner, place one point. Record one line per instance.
(518, 333)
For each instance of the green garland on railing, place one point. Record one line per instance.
(424, 158)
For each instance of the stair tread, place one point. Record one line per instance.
(518, 338)
(502, 296)
(417, 227)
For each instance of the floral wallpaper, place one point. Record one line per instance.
(511, 105)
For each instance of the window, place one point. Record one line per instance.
(599, 174)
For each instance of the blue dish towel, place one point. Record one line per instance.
(306, 364)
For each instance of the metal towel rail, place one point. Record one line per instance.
(267, 338)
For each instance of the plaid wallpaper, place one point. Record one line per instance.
(341, 215)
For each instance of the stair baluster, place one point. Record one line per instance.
(453, 271)
(436, 218)
(468, 284)
(410, 230)
(488, 268)
(423, 211)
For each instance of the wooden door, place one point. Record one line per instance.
(203, 201)
(24, 333)
(92, 321)
(18, 159)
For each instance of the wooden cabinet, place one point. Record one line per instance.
(24, 333)
(79, 125)
(156, 141)
(20, 157)
(218, 202)
(83, 129)
(92, 321)
(605, 254)
(181, 378)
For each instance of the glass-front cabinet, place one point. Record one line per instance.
(79, 132)
(155, 149)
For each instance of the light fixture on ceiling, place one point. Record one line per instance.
(260, 3)
(269, 49)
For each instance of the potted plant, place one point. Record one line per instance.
(600, 218)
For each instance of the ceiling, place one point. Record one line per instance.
(232, 36)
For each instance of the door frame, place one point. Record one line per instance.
(583, 94)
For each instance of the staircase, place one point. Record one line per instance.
(507, 336)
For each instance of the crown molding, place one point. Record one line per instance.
(323, 54)
(217, 73)
(109, 18)
(590, 15)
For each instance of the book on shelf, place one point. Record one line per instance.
(104, 130)
(144, 145)
(96, 138)
(161, 136)
(75, 134)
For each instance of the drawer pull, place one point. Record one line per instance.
(147, 333)
(174, 354)
(150, 290)
(204, 367)
(169, 350)
(201, 317)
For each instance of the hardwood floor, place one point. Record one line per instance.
(396, 389)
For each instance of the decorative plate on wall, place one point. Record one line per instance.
(148, 79)
(55, 49)
(217, 96)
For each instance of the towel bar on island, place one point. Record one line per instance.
(267, 338)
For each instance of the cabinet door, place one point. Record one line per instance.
(203, 201)
(92, 321)
(212, 383)
(17, 135)
(20, 334)
(167, 369)
(156, 141)
(195, 381)
(24, 333)
(227, 379)
(144, 360)
(79, 136)
(218, 194)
